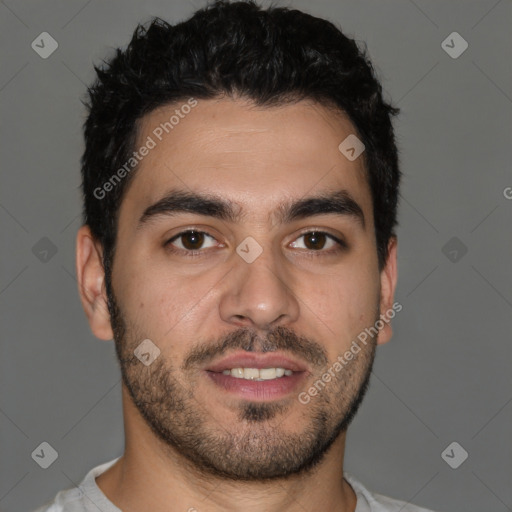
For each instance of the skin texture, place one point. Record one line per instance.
(188, 442)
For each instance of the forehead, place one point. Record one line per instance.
(254, 156)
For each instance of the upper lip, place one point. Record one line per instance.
(257, 360)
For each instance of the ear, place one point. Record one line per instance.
(388, 279)
(91, 283)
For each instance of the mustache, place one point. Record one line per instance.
(281, 338)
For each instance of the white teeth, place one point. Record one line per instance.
(267, 373)
(251, 373)
(258, 374)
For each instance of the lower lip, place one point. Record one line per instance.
(258, 390)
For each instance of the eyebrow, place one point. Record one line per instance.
(181, 201)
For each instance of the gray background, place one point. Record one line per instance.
(444, 377)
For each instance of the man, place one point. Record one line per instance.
(240, 180)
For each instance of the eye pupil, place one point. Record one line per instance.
(192, 240)
(316, 239)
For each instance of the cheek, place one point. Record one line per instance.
(165, 305)
(347, 302)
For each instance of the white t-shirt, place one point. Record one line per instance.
(88, 497)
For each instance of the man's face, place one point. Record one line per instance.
(200, 300)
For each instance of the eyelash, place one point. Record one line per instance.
(341, 245)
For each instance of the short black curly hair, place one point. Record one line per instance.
(272, 56)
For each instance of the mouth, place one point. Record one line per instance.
(258, 376)
(258, 361)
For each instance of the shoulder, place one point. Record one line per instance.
(84, 496)
(68, 500)
(371, 502)
(387, 504)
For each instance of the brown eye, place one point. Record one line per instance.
(315, 240)
(191, 240)
(318, 241)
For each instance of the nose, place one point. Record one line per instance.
(259, 294)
